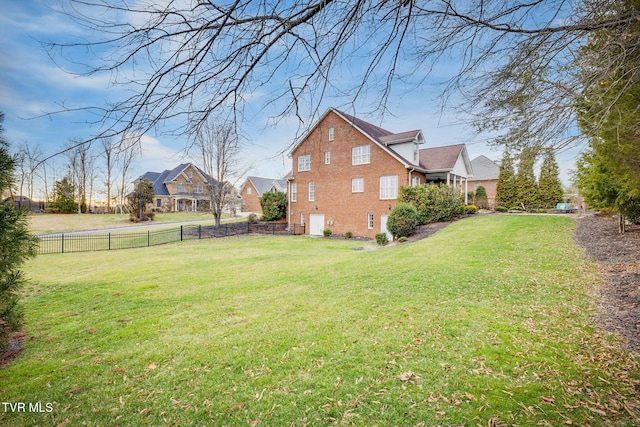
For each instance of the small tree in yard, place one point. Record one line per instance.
(64, 196)
(480, 198)
(141, 196)
(274, 205)
(402, 220)
(16, 245)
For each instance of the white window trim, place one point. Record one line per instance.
(312, 191)
(332, 134)
(304, 163)
(357, 188)
(388, 187)
(327, 157)
(370, 219)
(294, 192)
(302, 220)
(361, 155)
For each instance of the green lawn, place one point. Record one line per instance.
(486, 322)
(63, 223)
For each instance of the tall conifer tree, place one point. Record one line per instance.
(16, 245)
(549, 185)
(506, 190)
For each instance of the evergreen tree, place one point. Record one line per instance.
(16, 245)
(64, 196)
(141, 197)
(549, 186)
(274, 205)
(480, 198)
(506, 190)
(527, 189)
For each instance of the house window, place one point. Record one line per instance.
(190, 173)
(294, 192)
(248, 190)
(327, 157)
(415, 181)
(198, 189)
(180, 188)
(357, 185)
(158, 203)
(361, 155)
(370, 221)
(302, 218)
(389, 187)
(304, 163)
(312, 191)
(331, 134)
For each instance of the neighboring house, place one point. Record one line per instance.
(347, 173)
(254, 187)
(485, 173)
(184, 188)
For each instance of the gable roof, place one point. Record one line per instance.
(381, 137)
(444, 159)
(158, 179)
(263, 185)
(484, 168)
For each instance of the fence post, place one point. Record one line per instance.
(109, 240)
(62, 242)
(199, 231)
(148, 238)
(181, 233)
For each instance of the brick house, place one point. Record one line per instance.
(347, 173)
(254, 187)
(486, 173)
(183, 188)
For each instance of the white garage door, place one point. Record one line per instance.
(316, 224)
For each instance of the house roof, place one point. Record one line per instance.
(440, 158)
(158, 179)
(263, 185)
(484, 168)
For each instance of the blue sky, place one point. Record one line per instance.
(31, 85)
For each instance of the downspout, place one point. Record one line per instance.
(289, 205)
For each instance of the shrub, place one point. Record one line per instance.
(381, 239)
(502, 209)
(274, 205)
(480, 199)
(348, 235)
(402, 239)
(327, 232)
(252, 218)
(403, 219)
(470, 209)
(434, 202)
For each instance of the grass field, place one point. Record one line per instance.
(63, 223)
(486, 322)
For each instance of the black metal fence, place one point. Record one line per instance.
(89, 242)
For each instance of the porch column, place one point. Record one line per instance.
(466, 191)
(448, 182)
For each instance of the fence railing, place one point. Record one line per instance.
(90, 242)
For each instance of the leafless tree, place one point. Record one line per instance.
(108, 152)
(190, 59)
(216, 149)
(128, 149)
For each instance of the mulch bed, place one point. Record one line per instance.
(618, 258)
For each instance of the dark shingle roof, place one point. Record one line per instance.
(158, 179)
(440, 158)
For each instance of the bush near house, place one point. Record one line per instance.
(403, 220)
(274, 205)
(382, 239)
(434, 202)
(470, 209)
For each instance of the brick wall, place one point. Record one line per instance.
(343, 210)
(250, 198)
